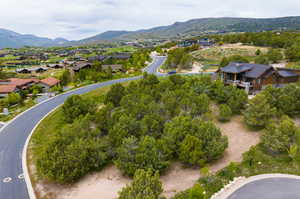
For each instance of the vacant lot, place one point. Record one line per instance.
(215, 54)
(109, 181)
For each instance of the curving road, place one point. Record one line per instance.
(270, 188)
(14, 135)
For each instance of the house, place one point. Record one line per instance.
(285, 75)
(48, 83)
(121, 56)
(254, 77)
(55, 66)
(5, 90)
(115, 68)
(206, 42)
(187, 43)
(38, 69)
(97, 58)
(81, 65)
(23, 70)
(22, 84)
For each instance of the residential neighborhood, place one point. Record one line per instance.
(106, 99)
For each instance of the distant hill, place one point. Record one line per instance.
(177, 30)
(195, 27)
(10, 39)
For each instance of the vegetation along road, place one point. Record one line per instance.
(14, 135)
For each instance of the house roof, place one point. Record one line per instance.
(113, 67)
(257, 70)
(286, 73)
(251, 70)
(22, 82)
(50, 81)
(234, 67)
(81, 65)
(7, 88)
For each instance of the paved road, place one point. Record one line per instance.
(271, 188)
(14, 135)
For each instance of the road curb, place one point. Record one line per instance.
(30, 190)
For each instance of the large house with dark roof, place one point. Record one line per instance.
(254, 77)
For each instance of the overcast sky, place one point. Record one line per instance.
(77, 19)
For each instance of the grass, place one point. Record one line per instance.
(16, 110)
(215, 54)
(120, 49)
(293, 65)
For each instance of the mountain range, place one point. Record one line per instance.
(189, 28)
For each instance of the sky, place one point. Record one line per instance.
(78, 19)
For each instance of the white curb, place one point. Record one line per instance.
(30, 190)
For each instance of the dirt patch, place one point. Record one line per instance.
(297, 121)
(240, 139)
(107, 183)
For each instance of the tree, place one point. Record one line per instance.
(258, 52)
(115, 94)
(145, 154)
(274, 55)
(225, 113)
(65, 77)
(145, 185)
(224, 62)
(280, 138)
(14, 98)
(69, 155)
(197, 192)
(214, 144)
(262, 59)
(175, 132)
(191, 151)
(293, 152)
(258, 112)
(75, 106)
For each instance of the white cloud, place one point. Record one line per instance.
(76, 19)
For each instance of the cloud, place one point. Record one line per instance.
(76, 19)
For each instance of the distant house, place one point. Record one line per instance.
(97, 58)
(30, 70)
(254, 77)
(38, 69)
(22, 84)
(115, 68)
(187, 43)
(121, 56)
(23, 70)
(81, 65)
(206, 42)
(48, 83)
(5, 90)
(55, 66)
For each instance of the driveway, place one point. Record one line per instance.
(14, 135)
(271, 188)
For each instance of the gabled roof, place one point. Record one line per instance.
(22, 82)
(81, 65)
(257, 70)
(287, 73)
(4, 89)
(234, 67)
(50, 81)
(250, 70)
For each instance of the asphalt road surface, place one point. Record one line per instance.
(14, 135)
(271, 188)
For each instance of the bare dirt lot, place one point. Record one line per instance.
(107, 183)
